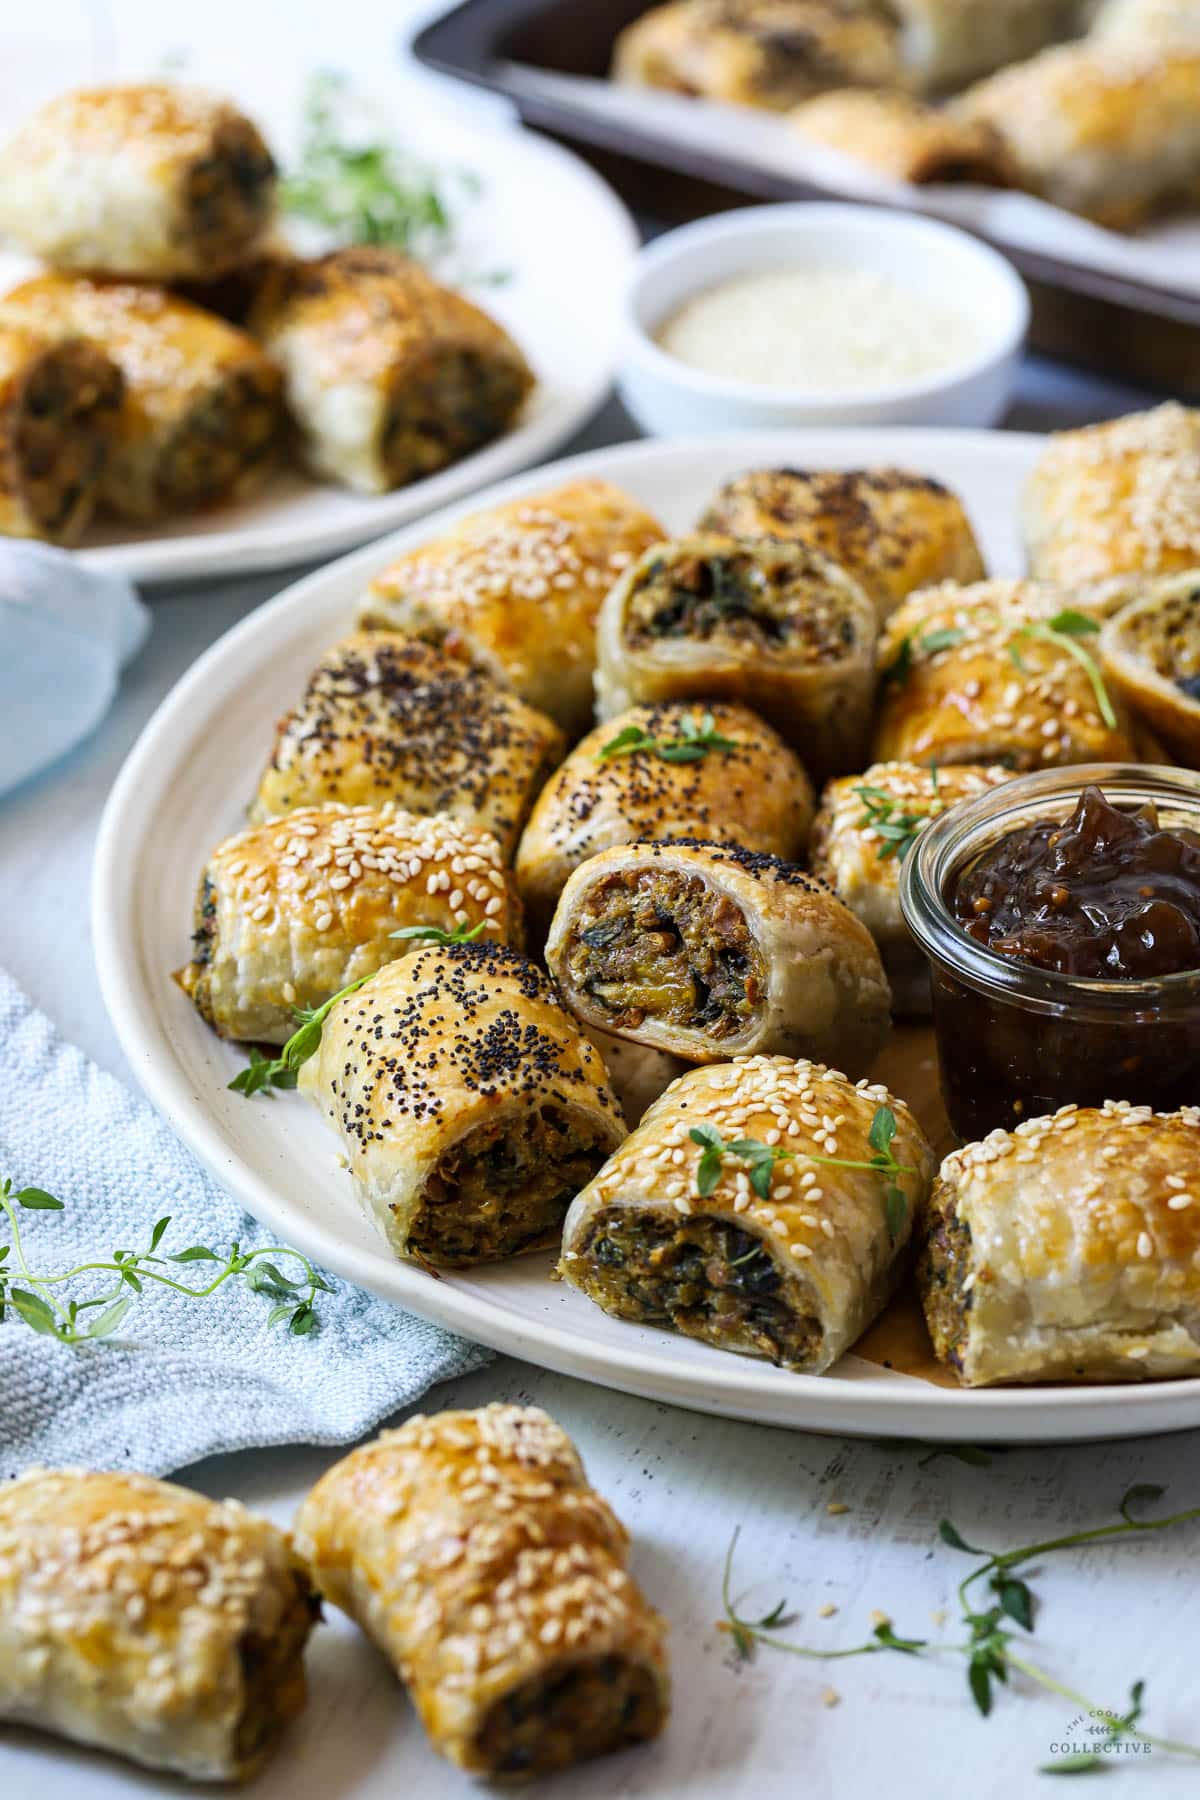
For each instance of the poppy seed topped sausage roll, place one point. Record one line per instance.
(771, 624)
(59, 403)
(386, 718)
(518, 589)
(671, 770)
(471, 1107)
(389, 376)
(712, 1220)
(471, 1548)
(148, 182)
(907, 139)
(290, 912)
(201, 416)
(143, 1619)
(711, 951)
(891, 530)
(1068, 1249)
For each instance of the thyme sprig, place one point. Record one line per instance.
(696, 738)
(99, 1314)
(1063, 631)
(943, 637)
(462, 934)
(262, 1073)
(897, 828)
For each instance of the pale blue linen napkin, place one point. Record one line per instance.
(183, 1378)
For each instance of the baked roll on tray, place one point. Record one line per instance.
(773, 625)
(721, 1217)
(471, 1548)
(291, 912)
(1151, 656)
(518, 589)
(710, 951)
(944, 43)
(1001, 672)
(201, 418)
(907, 140)
(671, 770)
(143, 1619)
(1069, 1249)
(389, 375)
(387, 718)
(865, 827)
(59, 402)
(470, 1106)
(148, 182)
(890, 529)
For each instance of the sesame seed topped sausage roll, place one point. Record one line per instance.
(774, 625)
(864, 829)
(710, 951)
(470, 1106)
(290, 912)
(389, 376)
(984, 674)
(148, 182)
(201, 417)
(470, 1547)
(893, 531)
(671, 770)
(143, 1619)
(759, 1250)
(59, 403)
(386, 718)
(518, 589)
(1068, 1249)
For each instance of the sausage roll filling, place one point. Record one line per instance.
(59, 405)
(727, 594)
(1151, 652)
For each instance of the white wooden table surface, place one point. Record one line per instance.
(902, 1727)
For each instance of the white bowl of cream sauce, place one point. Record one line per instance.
(820, 315)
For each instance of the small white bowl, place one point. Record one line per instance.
(670, 398)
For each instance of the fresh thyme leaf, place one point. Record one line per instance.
(707, 1134)
(900, 667)
(884, 815)
(708, 1172)
(1082, 1763)
(37, 1200)
(979, 1679)
(778, 1615)
(883, 1130)
(949, 1535)
(1062, 631)
(1016, 1600)
(886, 1636)
(1073, 623)
(695, 740)
(197, 1253)
(1141, 1490)
(895, 1210)
(944, 639)
(461, 934)
(156, 1236)
(34, 1310)
(281, 1071)
(110, 1318)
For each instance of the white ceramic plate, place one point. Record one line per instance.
(183, 789)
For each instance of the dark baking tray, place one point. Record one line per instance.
(1128, 328)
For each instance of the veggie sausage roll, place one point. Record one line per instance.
(907, 140)
(711, 951)
(149, 182)
(59, 404)
(202, 415)
(1151, 656)
(893, 531)
(944, 43)
(518, 589)
(471, 1107)
(772, 624)
(470, 1547)
(140, 1618)
(1117, 499)
(864, 829)
(760, 1248)
(671, 770)
(289, 913)
(388, 718)
(389, 375)
(1068, 1249)
(1005, 671)
(638, 1074)
(1101, 130)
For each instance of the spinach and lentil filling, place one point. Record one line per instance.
(942, 1271)
(750, 594)
(568, 1715)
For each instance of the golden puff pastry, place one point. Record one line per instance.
(1151, 655)
(147, 182)
(1116, 500)
(386, 718)
(389, 375)
(59, 404)
(1099, 129)
(1068, 1249)
(710, 951)
(905, 139)
(773, 625)
(470, 1106)
(1136, 24)
(143, 1619)
(746, 787)
(864, 829)
(638, 1074)
(471, 1549)
(763, 53)
(892, 530)
(202, 413)
(944, 43)
(966, 678)
(289, 913)
(783, 1257)
(518, 589)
